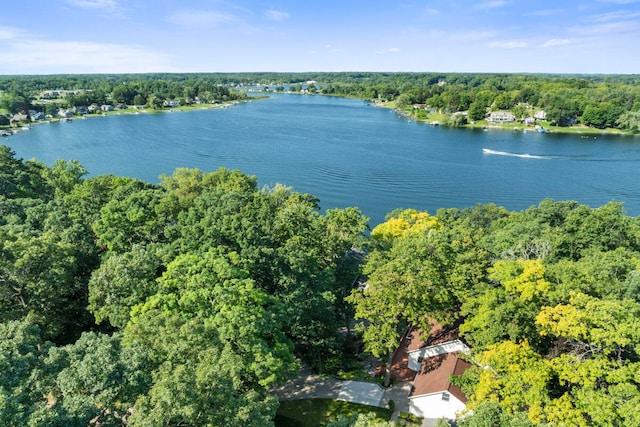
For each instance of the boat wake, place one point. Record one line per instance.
(524, 156)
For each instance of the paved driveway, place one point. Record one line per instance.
(360, 392)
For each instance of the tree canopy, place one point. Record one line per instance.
(182, 303)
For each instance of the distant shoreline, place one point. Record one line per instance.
(483, 124)
(126, 111)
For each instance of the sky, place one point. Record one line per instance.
(139, 36)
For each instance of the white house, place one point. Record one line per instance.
(171, 103)
(432, 395)
(434, 359)
(540, 115)
(501, 117)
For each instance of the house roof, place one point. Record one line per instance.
(434, 376)
(437, 335)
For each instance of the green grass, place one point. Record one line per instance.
(318, 412)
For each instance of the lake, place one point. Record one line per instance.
(349, 153)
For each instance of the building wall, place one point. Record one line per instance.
(433, 406)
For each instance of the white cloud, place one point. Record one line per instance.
(492, 4)
(213, 19)
(94, 4)
(617, 15)
(9, 33)
(607, 29)
(555, 42)
(32, 55)
(331, 48)
(276, 15)
(389, 50)
(509, 44)
(471, 35)
(544, 12)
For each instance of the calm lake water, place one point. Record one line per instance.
(350, 154)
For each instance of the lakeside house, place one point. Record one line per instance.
(18, 118)
(540, 115)
(64, 113)
(499, 117)
(36, 115)
(428, 361)
(433, 396)
(170, 103)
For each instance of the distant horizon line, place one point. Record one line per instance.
(547, 73)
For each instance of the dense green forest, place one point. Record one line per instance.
(595, 101)
(183, 303)
(175, 304)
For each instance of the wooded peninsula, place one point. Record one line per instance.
(187, 302)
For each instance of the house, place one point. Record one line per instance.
(171, 103)
(439, 341)
(107, 107)
(64, 113)
(428, 361)
(36, 115)
(529, 121)
(19, 117)
(540, 115)
(432, 395)
(501, 117)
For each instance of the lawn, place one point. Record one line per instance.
(318, 412)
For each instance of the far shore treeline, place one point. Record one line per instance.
(580, 103)
(183, 303)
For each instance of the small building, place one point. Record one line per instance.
(501, 117)
(36, 115)
(64, 113)
(107, 107)
(432, 395)
(170, 103)
(429, 360)
(540, 115)
(529, 121)
(19, 117)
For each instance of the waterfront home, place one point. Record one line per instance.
(81, 109)
(36, 115)
(170, 103)
(64, 113)
(428, 361)
(435, 359)
(529, 121)
(501, 117)
(17, 118)
(107, 107)
(540, 115)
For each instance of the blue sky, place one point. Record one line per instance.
(119, 36)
